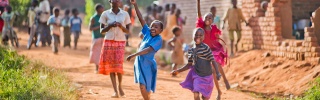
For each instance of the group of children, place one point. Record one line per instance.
(205, 58)
(55, 21)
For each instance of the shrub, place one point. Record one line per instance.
(21, 79)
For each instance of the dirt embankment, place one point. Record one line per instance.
(254, 72)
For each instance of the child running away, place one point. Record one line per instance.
(75, 22)
(145, 66)
(54, 23)
(176, 43)
(202, 74)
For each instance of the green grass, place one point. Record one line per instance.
(314, 92)
(22, 79)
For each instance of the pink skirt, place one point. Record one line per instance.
(112, 57)
(96, 50)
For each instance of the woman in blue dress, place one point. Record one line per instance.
(145, 66)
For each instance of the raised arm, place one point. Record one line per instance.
(198, 9)
(142, 21)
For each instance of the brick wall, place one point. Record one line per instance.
(302, 8)
(188, 8)
(266, 32)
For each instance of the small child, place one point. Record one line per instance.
(216, 19)
(8, 16)
(202, 74)
(176, 43)
(180, 21)
(75, 25)
(145, 66)
(54, 23)
(66, 29)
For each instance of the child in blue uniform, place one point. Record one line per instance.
(145, 67)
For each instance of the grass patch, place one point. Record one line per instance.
(314, 92)
(22, 79)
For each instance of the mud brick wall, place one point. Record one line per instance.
(266, 32)
(301, 8)
(188, 8)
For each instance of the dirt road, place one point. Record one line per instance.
(76, 65)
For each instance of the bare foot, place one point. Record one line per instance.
(219, 96)
(227, 85)
(122, 94)
(115, 95)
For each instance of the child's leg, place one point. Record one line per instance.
(196, 95)
(231, 36)
(226, 82)
(120, 84)
(76, 37)
(55, 43)
(114, 84)
(97, 68)
(216, 83)
(145, 94)
(238, 40)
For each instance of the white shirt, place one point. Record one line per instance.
(115, 33)
(44, 6)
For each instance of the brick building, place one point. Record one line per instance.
(269, 30)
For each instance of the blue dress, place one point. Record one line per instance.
(145, 66)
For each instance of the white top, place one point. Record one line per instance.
(44, 6)
(115, 33)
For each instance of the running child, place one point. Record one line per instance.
(54, 23)
(211, 38)
(176, 43)
(202, 74)
(145, 66)
(75, 25)
(66, 29)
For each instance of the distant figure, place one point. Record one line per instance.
(166, 12)
(201, 77)
(149, 16)
(176, 43)
(171, 22)
(160, 13)
(216, 20)
(145, 65)
(33, 23)
(54, 23)
(234, 16)
(44, 35)
(114, 24)
(8, 16)
(75, 25)
(264, 5)
(180, 21)
(97, 37)
(66, 29)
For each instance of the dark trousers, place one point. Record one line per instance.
(67, 36)
(44, 35)
(56, 42)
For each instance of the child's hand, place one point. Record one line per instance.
(118, 24)
(133, 2)
(130, 57)
(114, 24)
(174, 72)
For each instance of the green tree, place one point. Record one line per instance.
(89, 11)
(21, 7)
